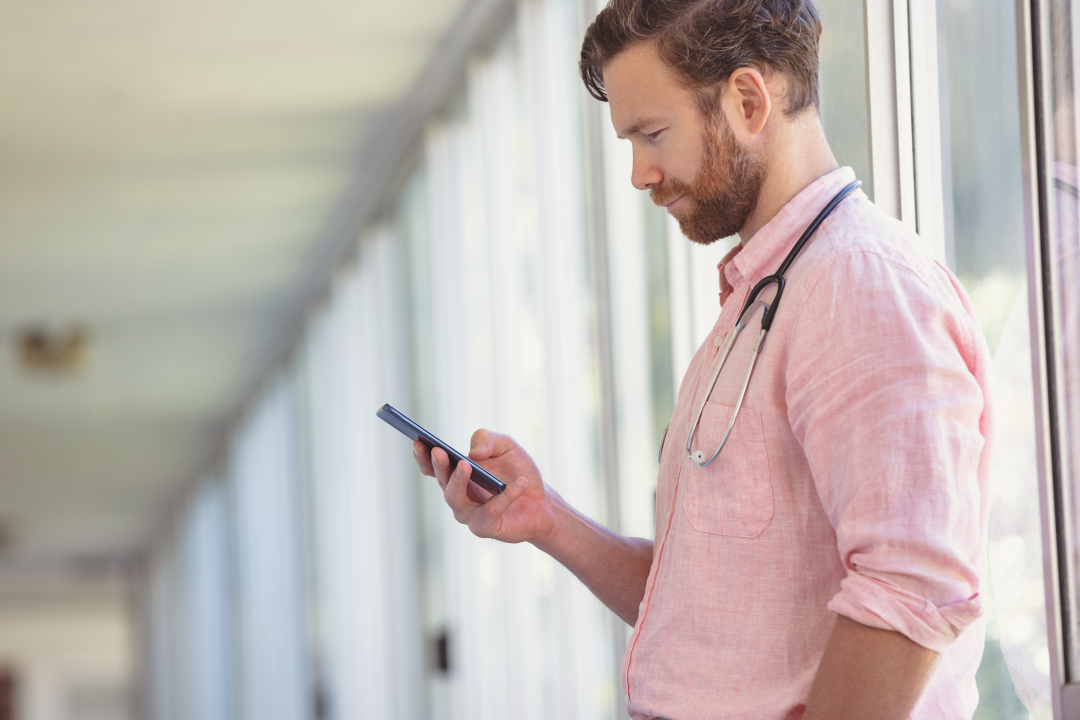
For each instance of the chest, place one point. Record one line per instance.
(729, 436)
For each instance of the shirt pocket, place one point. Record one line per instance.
(732, 495)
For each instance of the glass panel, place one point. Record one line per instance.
(981, 144)
(641, 320)
(1064, 284)
(264, 489)
(626, 213)
(843, 86)
(497, 247)
(204, 600)
(659, 299)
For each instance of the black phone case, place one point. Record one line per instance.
(410, 429)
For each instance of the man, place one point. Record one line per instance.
(827, 563)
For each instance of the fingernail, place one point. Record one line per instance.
(521, 482)
(435, 459)
(458, 471)
(479, 448)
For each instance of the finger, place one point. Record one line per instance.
(456, 493)
(440, 462)
(476, 493)
(490, 512)
(487, 444)
(422, 456)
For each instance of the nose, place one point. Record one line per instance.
(645, 174)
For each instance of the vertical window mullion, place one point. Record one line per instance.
(888, 80)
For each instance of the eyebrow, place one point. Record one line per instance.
(636, 126)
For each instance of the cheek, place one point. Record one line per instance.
(685, 161)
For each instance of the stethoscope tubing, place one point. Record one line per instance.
(698, 459)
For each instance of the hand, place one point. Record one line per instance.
(523, 512)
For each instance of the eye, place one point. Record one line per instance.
(654, 135)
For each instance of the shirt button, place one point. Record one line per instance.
(716, 341)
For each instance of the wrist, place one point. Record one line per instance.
(550, 538)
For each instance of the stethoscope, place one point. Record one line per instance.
(697, 459)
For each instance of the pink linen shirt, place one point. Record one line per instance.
(855, 480)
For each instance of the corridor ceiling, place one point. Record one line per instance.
(167, 170)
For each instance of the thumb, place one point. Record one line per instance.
(487, 444)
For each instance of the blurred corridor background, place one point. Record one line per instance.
(230, 231)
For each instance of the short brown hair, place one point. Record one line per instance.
(705, 41)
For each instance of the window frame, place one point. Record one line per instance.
(910, 174)
(1033, 100)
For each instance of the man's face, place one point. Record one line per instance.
(690, 164)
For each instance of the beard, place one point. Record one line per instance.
(726, 188)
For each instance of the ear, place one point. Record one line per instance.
(750, 102)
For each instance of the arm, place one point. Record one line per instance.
(893, 417)
(868, 673)
(613, 567)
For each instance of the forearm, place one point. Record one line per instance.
(613, 567)
(868, 673)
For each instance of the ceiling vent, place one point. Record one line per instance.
(51, 350)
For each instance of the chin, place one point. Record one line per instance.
(697, 237)
(694, 232)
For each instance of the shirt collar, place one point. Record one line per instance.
(764, 252)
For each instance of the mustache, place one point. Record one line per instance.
(668, 191)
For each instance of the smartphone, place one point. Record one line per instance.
(410, 429)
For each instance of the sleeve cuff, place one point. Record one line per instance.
(876, 604)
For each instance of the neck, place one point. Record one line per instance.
(797, 154)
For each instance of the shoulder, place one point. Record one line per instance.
(870, 252)
(869, 271)
(858, 227)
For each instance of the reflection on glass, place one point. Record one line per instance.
(987, 242)
(1064, 279)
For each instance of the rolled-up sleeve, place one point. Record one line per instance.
(886, 394)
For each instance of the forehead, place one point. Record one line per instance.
(642, 89)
